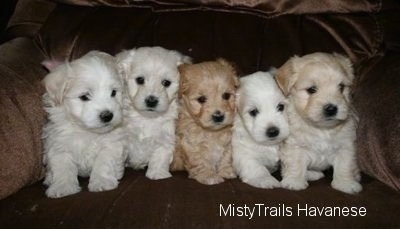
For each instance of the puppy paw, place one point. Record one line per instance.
(357, 176)
(62, 189)
(48, 180)
(314, 175)
(210, 180)
(227, 173)
(294, 184)
(347, 186)
(157, 174)
(100, 184)
(263, 182)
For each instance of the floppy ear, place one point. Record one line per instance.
(55, 84)
(232, 67)
(346, 65)
(182, 79)
(236, 81)
(123, 59)
(239, 92)
(285, 77)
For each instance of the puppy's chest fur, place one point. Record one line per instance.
(321, 145)
(208, 144)
(145, 135)
(245, 147)
(64, 136)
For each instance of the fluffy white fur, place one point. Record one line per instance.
(83, 135)
(151, 72)
(261, 111)
(317, 140)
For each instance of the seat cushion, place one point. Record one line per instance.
(179, 202)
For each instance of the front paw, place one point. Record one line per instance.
(357, 176)
(227, 173)
(62, 189)
(263, 182)
(100, 184)
(294, 184)
(154, 174)
(314, 175)
(210, 180)
(48, 179)
(347, 186)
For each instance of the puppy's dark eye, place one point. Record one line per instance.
(202, 99)
(280, 107)
(341, 87)
(254, 112)
(226, 96)
(166, 83)
(84, 97)
(311, 90)
(113, 93)
(140, 80)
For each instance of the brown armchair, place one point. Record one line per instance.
(253, 34)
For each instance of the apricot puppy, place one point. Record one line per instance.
(204, 129)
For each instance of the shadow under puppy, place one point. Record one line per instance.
(83, 135)
(322, 122)
(150, 107)
(260, 126)
(204, 129)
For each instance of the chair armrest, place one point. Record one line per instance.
(377, 101)
(21, 115)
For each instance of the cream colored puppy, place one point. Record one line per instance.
(260, 126)
(150, 107)
(322, 123)
(83, 136)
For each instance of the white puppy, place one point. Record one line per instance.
(150, 106)
(322, 123)
(83, 136)
(259, 128)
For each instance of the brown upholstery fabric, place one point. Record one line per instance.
(180, 202)
(377, 100)
(268, 42)
(265, 7)
(251, 42)
(21, 115)
(28, 17)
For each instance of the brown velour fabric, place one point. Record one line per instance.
(28, 17)
(254, 42)
(180, 202)
(377, 100)
(267, 41)
(268, 7)
(21, 115)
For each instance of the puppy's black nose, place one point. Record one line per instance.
(106, 116)
(330, 110)
(272, 132)
(151, 101)
(218, 117)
